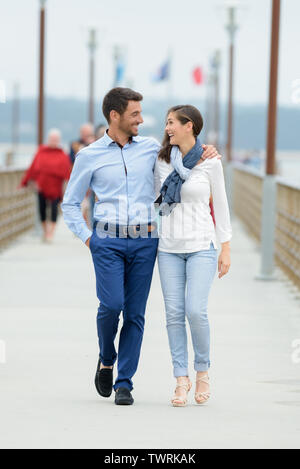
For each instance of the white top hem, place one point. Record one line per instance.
(184, 250)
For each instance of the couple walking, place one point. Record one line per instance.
(128, 173)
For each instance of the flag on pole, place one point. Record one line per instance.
(198, 76)
(119, 72)
(119, 65)
(163, 73)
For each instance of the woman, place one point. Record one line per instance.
(187, 252)
(49, 169)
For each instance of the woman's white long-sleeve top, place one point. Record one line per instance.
(190, 226)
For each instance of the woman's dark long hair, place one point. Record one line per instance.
(184, 113)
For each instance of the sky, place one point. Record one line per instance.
(147, 30)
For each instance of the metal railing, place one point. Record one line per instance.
(247, 203)
(18, 212)
(287, 234)
(247, 197)
(17, 206)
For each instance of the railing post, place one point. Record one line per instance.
(37, 223)
(228, 176)
(269, 187)
(9, 159)
(268, 224)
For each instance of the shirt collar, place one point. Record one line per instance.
(108, 141)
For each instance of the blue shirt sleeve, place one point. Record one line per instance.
(77, 187)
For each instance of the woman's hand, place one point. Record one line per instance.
(210, 152)
(224, 261)
(88, 242)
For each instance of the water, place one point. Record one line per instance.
(289, 168)
(287, 165)
(23, 157)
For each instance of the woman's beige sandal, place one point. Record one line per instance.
(180, 401)
(201, 397)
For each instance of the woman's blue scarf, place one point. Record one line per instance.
(171, 188)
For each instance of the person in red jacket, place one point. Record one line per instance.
(49, 169)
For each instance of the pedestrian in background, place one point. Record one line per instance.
(100, 131)
(49, 169)
(87, 136)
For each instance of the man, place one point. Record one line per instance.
(119, 167)
(86, 137)
(100, 130)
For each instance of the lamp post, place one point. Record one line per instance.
(92, 45)
(215, 63)
(232, 27)
(208, 107)
(269, 184)
(272, 111)
(41, 73)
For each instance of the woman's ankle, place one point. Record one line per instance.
(202, 373)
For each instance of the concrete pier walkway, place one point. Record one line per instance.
(48, 310)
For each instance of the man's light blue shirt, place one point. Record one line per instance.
(122, 179)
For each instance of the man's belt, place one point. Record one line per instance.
(125, 231)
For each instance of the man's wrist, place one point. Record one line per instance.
(85, 235)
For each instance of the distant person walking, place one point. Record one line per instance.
(49, 169)
(87, 136)
(99, 133)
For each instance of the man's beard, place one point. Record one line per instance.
(127, 130)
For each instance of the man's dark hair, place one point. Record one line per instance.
(117, 100)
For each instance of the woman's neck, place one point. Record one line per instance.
(187, 145)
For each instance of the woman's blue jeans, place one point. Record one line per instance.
(186, 280)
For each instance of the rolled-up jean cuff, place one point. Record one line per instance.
(181, 372)
(201, 366)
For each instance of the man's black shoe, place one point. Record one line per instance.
(104, 381)
(123, 397)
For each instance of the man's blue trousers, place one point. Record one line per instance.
(123, 268)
